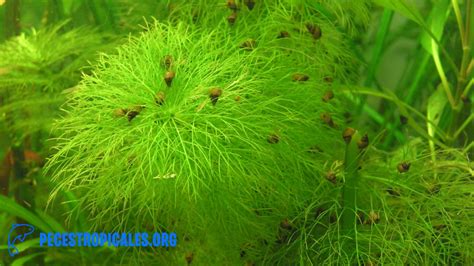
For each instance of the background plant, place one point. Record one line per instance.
(445, 160)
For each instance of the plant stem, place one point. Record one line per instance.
(376, 116)
(12, 18)
(457, 11)
(463, 126)
(103, 12)
(461, 110)
(5, 172)
(349, 191)
(56, 11)
(382, 33)
(466, 47)
(379, 46)
(468, 88)
(442, 74)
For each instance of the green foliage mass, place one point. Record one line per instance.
(35, 68)
(147, 154)
(224, 122)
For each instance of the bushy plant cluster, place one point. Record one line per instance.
(35, 69)
(215, 123)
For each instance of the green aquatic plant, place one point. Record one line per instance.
(412, 205)
(184, 142)
(228, 122)
(405, 210)
(35, 68)
(187, 129)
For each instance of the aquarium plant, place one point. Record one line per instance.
(186, 128)
(37, 68)
(261, 132)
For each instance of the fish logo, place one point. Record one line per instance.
(28, 229)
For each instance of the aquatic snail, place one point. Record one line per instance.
(273, 138)
(169, 76)
(439, 227)
(160, 98)
(403, 167)
(195, 15)
(232, 5)
(314, 30)
(131, 160)
(285, 231)
(363, 142)
(328, 79)
(283, 34)
(214, 95)
(167, 62)
(372, 218)
(250, 4)
(347, 134)
(360, 217)
(248, 44)
(285, 224)
(131, 113)
(328, 95)
(433, 188)
(242, 253)
(300, 77)
(331, 177)
(327, 119)
(189, 257)
(232, 18)
(393, 191)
